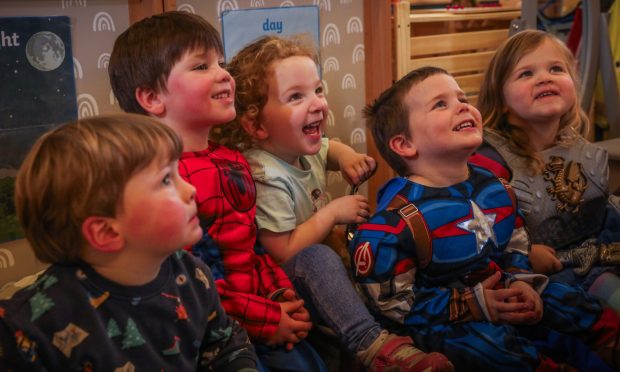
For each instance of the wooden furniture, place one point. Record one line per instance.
(462, 41)
(379, 76)
(139, 9)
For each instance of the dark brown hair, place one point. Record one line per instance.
(144, 54)
(388, 116)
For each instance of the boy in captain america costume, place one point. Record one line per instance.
(444, 259)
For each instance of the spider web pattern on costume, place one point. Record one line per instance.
(226, 198)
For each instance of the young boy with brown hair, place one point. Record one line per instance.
(169, 66)
(445, 257)
(102, 201)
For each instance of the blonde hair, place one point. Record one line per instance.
(492, 104)
(80, 169)
(251, 68)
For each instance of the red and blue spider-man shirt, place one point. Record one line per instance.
(422, 256)
(246, 276)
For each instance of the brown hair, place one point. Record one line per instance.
(143, 55)
(493, 106)
(251, 68)
(388, 116)
(80, 169)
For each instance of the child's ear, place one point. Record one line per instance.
(402, 146)
(102, 234)
(253, 127)
(150, 101)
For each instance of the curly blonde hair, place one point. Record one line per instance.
(251, 68)
(492, 104)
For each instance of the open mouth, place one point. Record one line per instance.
(222, 95)
(312, 128)
(464, 125)
(546, 93)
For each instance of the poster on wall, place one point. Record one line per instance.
(37, 92)
(240, 27)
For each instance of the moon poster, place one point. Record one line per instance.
(38, 89)
(37, 92)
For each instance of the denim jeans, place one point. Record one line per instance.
(321, 280)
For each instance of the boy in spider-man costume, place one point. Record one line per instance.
(169, 67)
(444, 259)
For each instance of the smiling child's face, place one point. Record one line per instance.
(296, 110)
(441, 121)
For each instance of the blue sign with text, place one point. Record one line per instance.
(241, 27)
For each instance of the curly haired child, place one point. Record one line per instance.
(281, 114)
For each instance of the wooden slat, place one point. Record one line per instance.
(469, 83)
(456, 42)
(402, 31)
(455, 64)
(464, 15)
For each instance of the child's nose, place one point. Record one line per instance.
(544, 77)
(318, 104)
(188, 191)
(224, 75)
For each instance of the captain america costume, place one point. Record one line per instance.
(423, 278)
(246, 277)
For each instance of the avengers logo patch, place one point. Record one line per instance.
(363, 259)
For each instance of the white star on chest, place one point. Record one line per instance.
(481, 225)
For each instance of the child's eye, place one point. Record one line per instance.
(526, 73)
(167, 180)
(464, 100)
(319, 90)
(557, 68)
(439, 104)
(201, 66)
(295, 97)
(222, 65)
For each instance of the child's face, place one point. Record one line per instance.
(158, 213)
(199, 91)
(296, 109)
(441, 121)
(540, 89)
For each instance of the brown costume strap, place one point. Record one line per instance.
(510, 191)
(414, 220)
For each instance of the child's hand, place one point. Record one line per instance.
(543, 259)
(301, 313)
(357, 168)
(506, 305)
(348, 209)
(288, 328)
(532, 299)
